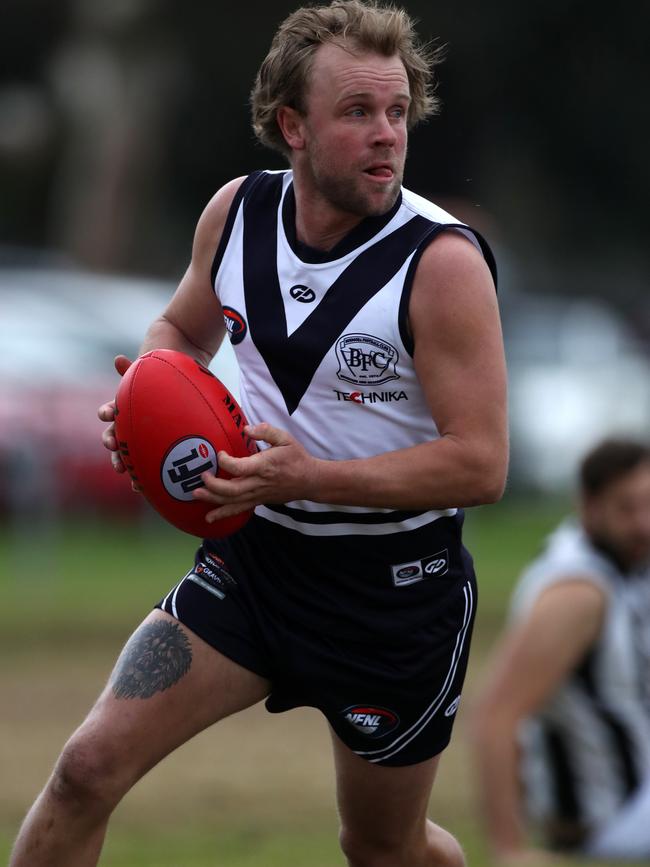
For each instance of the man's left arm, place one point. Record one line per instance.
(459, 361)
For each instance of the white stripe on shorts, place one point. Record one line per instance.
(434, 707)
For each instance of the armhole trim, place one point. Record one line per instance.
(246, 185)
(437, 229)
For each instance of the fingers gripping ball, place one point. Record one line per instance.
(172, 418)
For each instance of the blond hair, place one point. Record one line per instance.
(362, 25)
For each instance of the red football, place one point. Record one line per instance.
(172, 417)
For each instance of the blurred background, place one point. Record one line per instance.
(118, 121)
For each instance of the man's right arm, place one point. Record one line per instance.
(534, 658)
(192, 322)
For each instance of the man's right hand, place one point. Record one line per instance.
(106, 412)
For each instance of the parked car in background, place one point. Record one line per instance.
(60, 330)
(576, 374)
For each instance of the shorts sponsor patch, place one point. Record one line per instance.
(375, 722)
(211, 574)
(417, 570)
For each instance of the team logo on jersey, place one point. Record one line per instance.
(375, 722)
(417, 570)
(302, 293)
(235, 325)
(366, 360)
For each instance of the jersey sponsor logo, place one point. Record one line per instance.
(366, 360)
(375, 722)
(453, 707)
(370, 396)
(183, 464)
(417, 570)
(235, 325)
(302, 293)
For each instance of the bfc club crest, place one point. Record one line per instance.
(366, 360)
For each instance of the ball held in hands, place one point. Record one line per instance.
(172, 418)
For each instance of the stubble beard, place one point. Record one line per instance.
(629, 555)
(346, 194)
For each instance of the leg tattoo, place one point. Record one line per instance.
(155, 658)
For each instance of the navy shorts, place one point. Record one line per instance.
(372, 631)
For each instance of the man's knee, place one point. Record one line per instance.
(444, 847)
(435, 848)
(364, 851)
(88, 775)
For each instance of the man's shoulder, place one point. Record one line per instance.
(569, 548)
(426, 208)
(226, 199)
(452, 240)
(568, 554)
(235, 189)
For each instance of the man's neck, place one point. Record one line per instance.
(318, 224)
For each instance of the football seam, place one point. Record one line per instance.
(130, 400)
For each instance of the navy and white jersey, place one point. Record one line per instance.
(588, 750)
(322, 339)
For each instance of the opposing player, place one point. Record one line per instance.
(565, 710)
(366, 327)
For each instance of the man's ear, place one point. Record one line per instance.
(291, 124)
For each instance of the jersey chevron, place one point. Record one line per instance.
(322, 341)
(360, 281)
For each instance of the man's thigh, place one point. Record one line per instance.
(380, 803)
(167, 686)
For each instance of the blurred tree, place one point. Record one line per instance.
(542, 137)
(30, 28)
(116, 79)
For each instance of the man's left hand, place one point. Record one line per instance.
(279, 474)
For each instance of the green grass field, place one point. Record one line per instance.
(255, 790)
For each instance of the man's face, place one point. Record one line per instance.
(355, 130)
(619, 517)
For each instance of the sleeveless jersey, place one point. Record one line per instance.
(322, 341)
(588, 750)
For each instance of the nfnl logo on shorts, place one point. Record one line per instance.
(372, 721)
(418, 570)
